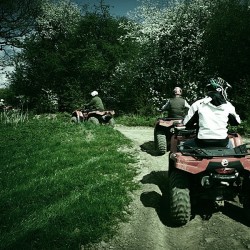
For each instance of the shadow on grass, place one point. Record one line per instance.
(203, 208)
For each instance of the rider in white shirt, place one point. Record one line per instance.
(212, 114)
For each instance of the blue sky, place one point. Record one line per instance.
(117, 7)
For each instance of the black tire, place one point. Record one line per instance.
(74, 119)
(160, 142)
(111, 122)
(94, 120)
(179, 198)
(171, 164)
(246, 197)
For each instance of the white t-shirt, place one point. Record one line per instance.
(213, 120)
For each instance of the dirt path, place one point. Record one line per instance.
(148, 228)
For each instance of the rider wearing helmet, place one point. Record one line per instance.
(2, 105)
(176, 106)
(212, 115)
(96, 102)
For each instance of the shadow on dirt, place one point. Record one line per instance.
(236, 213)
(149, 148)
(206, 210)
(203, 208)
(155, 200)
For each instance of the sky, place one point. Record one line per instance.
(3, 76)
(117, 7)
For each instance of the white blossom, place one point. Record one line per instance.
(58, 18)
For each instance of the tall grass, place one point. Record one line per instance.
(62, 185)
(13, 117)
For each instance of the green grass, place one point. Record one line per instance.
(62, 185)
(136, 120)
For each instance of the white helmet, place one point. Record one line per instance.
(94, 93)
(2, 100)
(177, 91)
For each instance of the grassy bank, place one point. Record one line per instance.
(62, 185)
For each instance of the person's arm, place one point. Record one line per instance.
(187, 105)
(233, 117)
(192, 116)
(165, 106)
(92, 102)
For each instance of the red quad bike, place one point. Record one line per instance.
(212, 174)
(94, 116)
(163, 131)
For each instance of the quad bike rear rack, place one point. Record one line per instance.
(239, 151)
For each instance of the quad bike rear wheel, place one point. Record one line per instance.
(179, 197)
(160, 142)
(246, 197)
(111, 122)
(94, 120)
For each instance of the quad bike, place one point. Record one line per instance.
(214, 174)
(6, 108)
(94, 116)
(162, 133)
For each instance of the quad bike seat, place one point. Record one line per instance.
(182, 131)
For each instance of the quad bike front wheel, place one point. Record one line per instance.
(74, 119)
(160, 142)
(179, 197)
(94, 120)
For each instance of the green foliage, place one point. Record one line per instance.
(228, 49)
(70, 59)
(8, 95)
(171, 54)
(243, 128)
(226, 33)
(185, 45)
(62, 185)
(17, 22)
(182, 44)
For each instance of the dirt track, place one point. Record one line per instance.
(149, 229)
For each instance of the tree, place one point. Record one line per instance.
(172, 53)
(185, 44)
(69, 58)
(228, 48)
(40, 64)
(17, 18)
